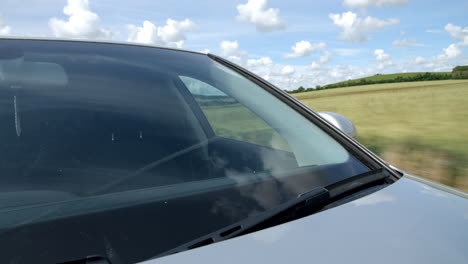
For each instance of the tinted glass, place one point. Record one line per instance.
(137, 150)
(230, 119)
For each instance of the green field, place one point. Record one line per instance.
(419, 126)
(382, 77)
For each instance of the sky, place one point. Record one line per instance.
(290, 43)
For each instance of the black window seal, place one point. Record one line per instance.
(352, 145)
(193, 105)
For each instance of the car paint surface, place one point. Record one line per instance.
(409, 221)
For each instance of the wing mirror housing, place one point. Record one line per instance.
(340, 122)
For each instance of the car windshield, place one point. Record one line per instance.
(128, 151)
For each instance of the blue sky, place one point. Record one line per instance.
(290, 43)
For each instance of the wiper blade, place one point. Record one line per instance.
(316, 198)
(305, 204)
(358, 182)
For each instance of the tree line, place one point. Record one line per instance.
(459, 72)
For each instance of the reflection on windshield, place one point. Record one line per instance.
(143, 149)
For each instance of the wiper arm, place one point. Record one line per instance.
(304, 204)
(358, 182)
(314, 199)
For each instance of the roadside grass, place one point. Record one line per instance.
(428, 118)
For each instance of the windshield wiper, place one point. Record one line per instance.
(304, 204)
(315, 198)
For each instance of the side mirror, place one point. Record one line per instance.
(341, 122)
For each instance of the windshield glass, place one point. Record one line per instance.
(140, 149)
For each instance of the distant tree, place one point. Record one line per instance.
(460, 72)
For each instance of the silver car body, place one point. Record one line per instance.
(410, 221)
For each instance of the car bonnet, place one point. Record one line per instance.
(410, 221)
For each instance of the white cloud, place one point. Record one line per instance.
(347, 52)
(325, 57)
(312, 74)
(81, 24)
(284, 76)
(447, 59)
(419, 60)
(173, 34)
(438, 66)
(314, 65)
(369, 3)
(292, 76)
(263, 61)
(451, 52)
(316, 73)
(5, 30)
(434, 31)
(429, 65)
(287, 70)
(382, 57)
(355, 28)
(231, 49)
(404, 43)
(256, 12)
(304, 48)
(321, 74)
(442, 62)
(458, 33)
(237, 60)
